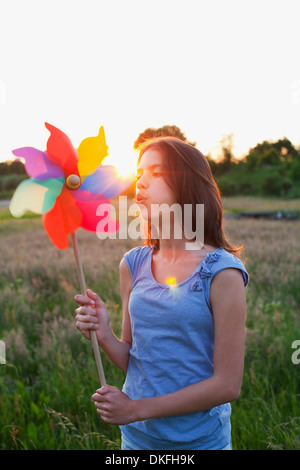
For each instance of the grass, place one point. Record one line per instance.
(50, 375)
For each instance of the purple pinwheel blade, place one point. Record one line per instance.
(38, 165)
(106, 180)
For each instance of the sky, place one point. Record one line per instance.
(211, 68)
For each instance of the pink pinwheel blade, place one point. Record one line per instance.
(87, 196)
(37, 164)
(95, 213)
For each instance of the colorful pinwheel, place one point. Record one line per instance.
(67, 186)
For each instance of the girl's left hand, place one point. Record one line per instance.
(114, 406)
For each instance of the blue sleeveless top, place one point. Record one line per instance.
(172, 347)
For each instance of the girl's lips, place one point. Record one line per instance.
(140, 201)
(140, 198)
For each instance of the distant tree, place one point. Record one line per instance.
(272, 153)
(270, 157)
(252, 160)
(4, 168)
(227, 145)
(165, 131)
(15, 167)
(294, 170)
(286, 149)
(213, 164)
(226, 158)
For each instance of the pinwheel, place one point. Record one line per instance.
(66, 186)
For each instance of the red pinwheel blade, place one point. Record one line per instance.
(61, 150)
(64, 218)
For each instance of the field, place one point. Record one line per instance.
(50, 375)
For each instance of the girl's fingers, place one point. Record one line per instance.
(97, 397)
(87, 319)
(85, 311)
(83, 300)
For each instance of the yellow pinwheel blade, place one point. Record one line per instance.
(91, 152)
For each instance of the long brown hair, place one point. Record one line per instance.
(188, 174)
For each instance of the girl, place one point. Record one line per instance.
(182, 343)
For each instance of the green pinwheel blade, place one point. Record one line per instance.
(35, 196)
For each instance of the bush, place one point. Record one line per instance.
(10, 182)
(274, 184)
(270, 157)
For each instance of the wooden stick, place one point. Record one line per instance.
(83, 291)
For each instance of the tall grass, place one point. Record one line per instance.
(50, 374)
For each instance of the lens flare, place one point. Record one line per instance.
(171, 281)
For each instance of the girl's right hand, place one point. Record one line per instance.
(92, 315)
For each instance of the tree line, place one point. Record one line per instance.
(269, 168)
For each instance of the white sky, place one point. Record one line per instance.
(210, 67)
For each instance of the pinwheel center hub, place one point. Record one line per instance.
(73, 181)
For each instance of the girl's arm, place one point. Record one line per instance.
(228, 302)
(95, 316)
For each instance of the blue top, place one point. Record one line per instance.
(172, 347)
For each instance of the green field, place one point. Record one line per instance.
(50, 375)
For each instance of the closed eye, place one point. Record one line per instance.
(149, 171)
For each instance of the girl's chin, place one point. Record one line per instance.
(143, 210)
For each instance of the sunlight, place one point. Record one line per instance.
(173, 287)
(171, 281)
(123, 160)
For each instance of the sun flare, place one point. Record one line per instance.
(171, 281)
(123, 159)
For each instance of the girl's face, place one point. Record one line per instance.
(151, 187)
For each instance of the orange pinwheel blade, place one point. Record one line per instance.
(64, 218)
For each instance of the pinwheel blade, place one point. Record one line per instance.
(93, 212)
(107, 181)
(61, 150)
(35, 196)
(91, 152)
(37, 164)
(64, 218)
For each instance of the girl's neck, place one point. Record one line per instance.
(173, 250)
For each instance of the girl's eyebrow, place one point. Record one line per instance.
(150, 167)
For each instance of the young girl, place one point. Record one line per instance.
(182, 343)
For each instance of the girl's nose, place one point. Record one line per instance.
(142, 182)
